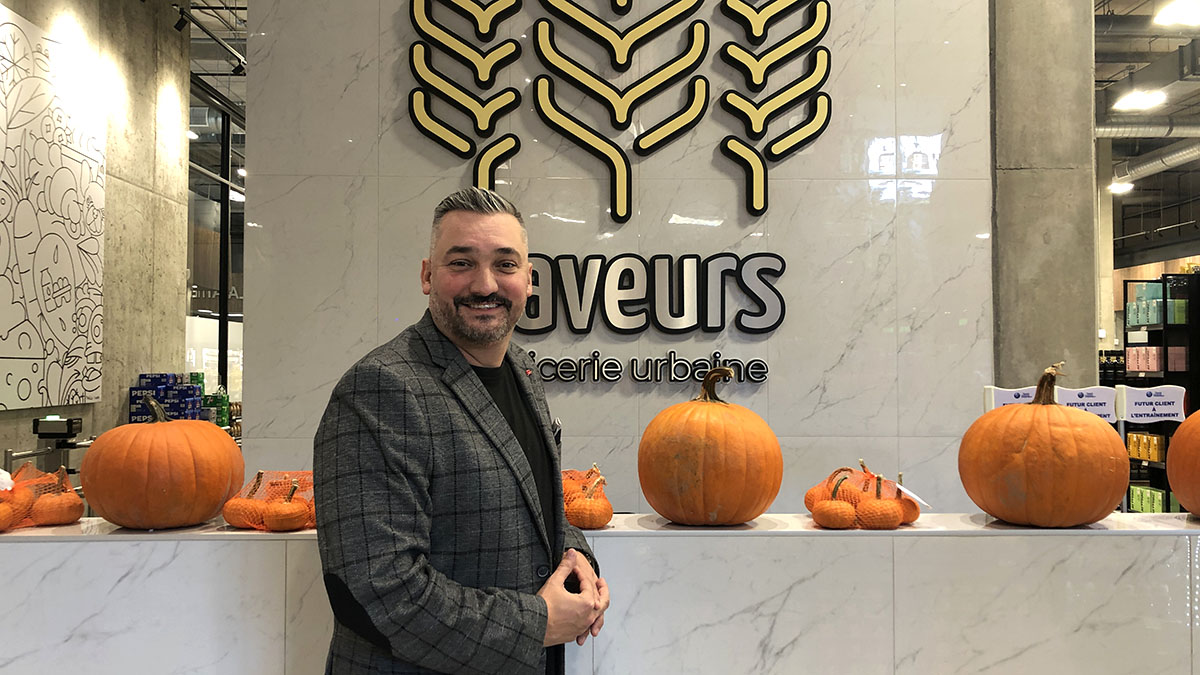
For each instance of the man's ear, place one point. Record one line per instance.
(529, 282)
(427, 276)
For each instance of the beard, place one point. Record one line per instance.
(449, 318)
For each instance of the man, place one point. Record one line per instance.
(439, 504)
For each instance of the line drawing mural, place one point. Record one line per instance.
(51, 227)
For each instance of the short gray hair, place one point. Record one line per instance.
(473, 200)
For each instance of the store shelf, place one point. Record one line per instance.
(1148, 463)
(1143, 374)
(1148, 327)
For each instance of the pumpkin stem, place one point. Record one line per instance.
(62, 479)
(295, 486)
(1045, 386)
(863, 464)
(708, 388)
(833, 494)
(257, 483)
(160, 415)
(834, 476)
(591, 489)
(878, 487)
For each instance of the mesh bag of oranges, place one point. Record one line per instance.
(39, 498)
(276, 501)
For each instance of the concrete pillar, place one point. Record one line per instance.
(1044, 242)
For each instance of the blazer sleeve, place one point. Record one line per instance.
(372, 461)
(575, 539)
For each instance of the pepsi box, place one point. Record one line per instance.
(157, 379)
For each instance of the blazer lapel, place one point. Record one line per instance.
(461, 380)
(535, 397)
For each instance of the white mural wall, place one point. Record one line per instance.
(51, 218)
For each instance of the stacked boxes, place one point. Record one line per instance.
(1177, 359)
(1150, 447)
(1177, 310)
(216, 408)
(1144, 359)
(180, 401)
(1143, 499)
(1150, 311)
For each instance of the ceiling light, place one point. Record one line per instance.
(1141, 100)
(1179, 12)
(235, 196)
(242, 172)
(193, 135)
(1118, 188)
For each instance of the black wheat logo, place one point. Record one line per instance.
(756, 115)
(620, 103)
(484, 66)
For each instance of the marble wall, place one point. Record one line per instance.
(887, 340)
(139, 64)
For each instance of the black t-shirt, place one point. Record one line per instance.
(502, 385)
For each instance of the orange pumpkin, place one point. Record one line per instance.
(288, 514)
(592, 510)
(1183, 463)
(833, 513)
(164, 473)
(910, 507)
(823, 490)
(708, 462)
(20, 499)
(246, 512)
(7, 518)
(1043, 464)
(876, 513)
(58, 508)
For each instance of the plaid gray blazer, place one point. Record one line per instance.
(429, 526)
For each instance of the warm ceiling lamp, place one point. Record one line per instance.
(1118, 188)
(1179, 12)
(1141, 100)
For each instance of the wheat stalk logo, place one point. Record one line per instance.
(756, 68)
(484, 65)
(620, 103)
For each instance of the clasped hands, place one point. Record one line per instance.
(573, 616)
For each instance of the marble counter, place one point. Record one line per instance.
(955, 593)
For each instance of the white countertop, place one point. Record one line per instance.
(643, 524)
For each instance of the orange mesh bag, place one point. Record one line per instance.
(39, 498)
(246, 509)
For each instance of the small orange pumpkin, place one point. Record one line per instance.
(20, 499)
(834, 513)
(823, 490)
(288, 514)
(708, 462)
(912, 510)
(591, 510)
(877, 513)
(245, 512)
(7, 519)
(1044, 464)
(58, 508)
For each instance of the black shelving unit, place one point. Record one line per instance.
(1170, 328)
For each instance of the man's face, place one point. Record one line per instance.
(478, 277)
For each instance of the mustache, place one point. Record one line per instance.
(482, 299)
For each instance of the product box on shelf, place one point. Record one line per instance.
(157, 379)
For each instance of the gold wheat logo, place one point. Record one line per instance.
(756, 67)
(485, 65)
(621, 103)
